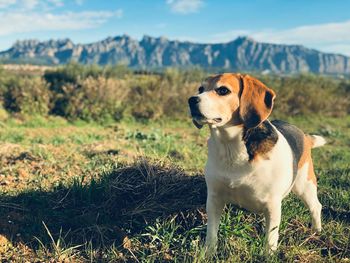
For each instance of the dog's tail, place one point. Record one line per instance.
(316, 141)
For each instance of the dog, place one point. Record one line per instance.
(252, 162)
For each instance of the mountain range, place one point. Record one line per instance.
(241, 54)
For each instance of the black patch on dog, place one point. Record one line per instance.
(268, 99)
(295, 139)
(260, 140)
(252, 118)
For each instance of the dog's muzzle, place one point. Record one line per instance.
(197, 116)
(193, 102)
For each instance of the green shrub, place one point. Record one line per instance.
(3, 114)
(95, 99)
(144, 98)
(26, 95)
(178, 76)
(116, 71)
(100, 93)
(70, 73)
(3, 83)
(73, 72)
(308, 94)
(174, 101)
(153, 97)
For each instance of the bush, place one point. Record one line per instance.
(3, 114)
(73, 72)
(307, 94)
(178, 76)
(174, 101)
(3, 83)
(116, 71)
(101, 93)
(144, 98)
(26, 95)
(96, 99)
(153, 97)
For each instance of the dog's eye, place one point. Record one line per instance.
(222, 91)
(200, 89)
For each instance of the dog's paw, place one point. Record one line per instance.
(210, 249)
(271, 249)
(317, 230)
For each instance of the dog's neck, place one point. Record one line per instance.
(227, 133)
(228, 143)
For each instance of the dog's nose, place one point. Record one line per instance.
(193, 100)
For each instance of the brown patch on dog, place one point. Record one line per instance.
(256, 101)
(306, 158)
(311, 173)
(229, 80)
(260, 140)
(210, 82)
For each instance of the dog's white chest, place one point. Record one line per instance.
(240, 185)
(250, 185)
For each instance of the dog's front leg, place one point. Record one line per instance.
(214, 209)
(273, 220)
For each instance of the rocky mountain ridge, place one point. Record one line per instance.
(241, 54)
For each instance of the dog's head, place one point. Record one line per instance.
(231, 98)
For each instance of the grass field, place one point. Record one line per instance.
(82, 192)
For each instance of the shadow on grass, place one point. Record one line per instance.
(119, 204)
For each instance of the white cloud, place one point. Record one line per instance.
(21, 22)
(337, 48)
(29, 4)
(328, 37)
(6, 3)
(184, 6)
(313, 34)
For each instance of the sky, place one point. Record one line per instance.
(318, 24)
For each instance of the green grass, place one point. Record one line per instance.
(135, 192)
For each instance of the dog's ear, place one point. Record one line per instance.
(256, 101)
(199, 126)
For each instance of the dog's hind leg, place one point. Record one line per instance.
(306, 188)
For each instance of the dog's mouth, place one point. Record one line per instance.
(199, 119)
(199, 122)
(217, 120)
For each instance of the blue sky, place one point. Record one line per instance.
(323, 25)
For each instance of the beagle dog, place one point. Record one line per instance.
(252, 162)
